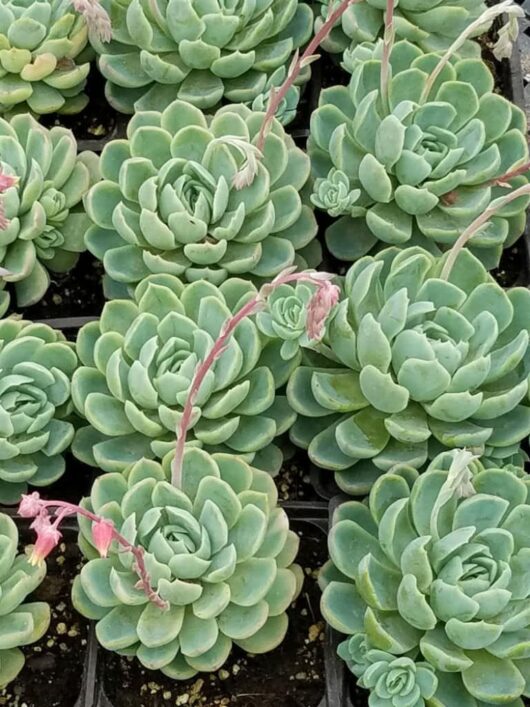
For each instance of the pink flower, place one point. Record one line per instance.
(97, 18)
(7, 181)
(48, 537)
(30, 505)
(319, 307)
(102, 535)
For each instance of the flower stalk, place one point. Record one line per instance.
(506, 7)
(477, 224)
(388, 43)
(304, 60)
(103, 532)
(319, 307)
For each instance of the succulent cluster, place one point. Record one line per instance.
(431, 26)
(170, 201)
(219, 553)
(36, 367)
(415, 365)
(20, 623)
(43, 65)
(410, 168)
(434, 569)
(138, 362)
(46, 218)
(202, 53)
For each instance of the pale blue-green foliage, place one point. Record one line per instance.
(36, 365)
(168, 204)
(286, 111)
(415, 364)
(20, 623)
(138, 362)
(47, 221)
(444, 584)
(432, 26)
(424, 167)
(202, 53)
(395, 681)
(285, 318)
(218, 550)
(43, 65)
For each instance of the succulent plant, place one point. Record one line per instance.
(435, 569)
(168, 204)
(43, 65)
(36, 364)
(218, 550)
(20, 623)
(286, 112)
(416, 171)
(47, 221)
(416, 365)
(196, 52)
(138, 362)
(432, 27)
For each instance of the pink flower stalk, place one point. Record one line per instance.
(103, 533)
(321, 307)
(97, 18)
(48, 537)
(6, 181)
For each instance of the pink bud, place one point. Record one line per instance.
(48, 537)
(7, 181)
(102, 535)
(30, 505)
(319, 307)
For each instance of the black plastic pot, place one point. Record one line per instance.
(307, 517)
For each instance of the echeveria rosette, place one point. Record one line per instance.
(218, 550)
(418, 365)
(395, 681)
(286, 112)
(447, 587)
(20, 623)
(43, 65)
(138, 362)
(432, 26)
(201, 53)
(36, 367)
(167, 203)
(47, 221)
(424, 168)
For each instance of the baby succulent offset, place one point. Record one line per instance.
(47, 221)
(199, 52)
(218, 550)
(43, 67)
(138, 362)
(36, 367)
(415, 364)
(435, 570)
(415, 171)
(168, 204)
(433, 26)
(20, 624)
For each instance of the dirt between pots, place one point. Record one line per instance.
(290, 676)
(53, 671)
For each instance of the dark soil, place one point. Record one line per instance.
(294, 481)
(53, 671)
(290, 676)
(77, 293)
(98, 122)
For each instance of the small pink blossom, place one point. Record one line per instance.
(103, 534)
(7, 181)
(30, 506)
(319, 307)
(97, 18)
(48, 537)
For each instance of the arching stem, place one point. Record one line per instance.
(388, 43)
(320, 305)
(477, 224)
